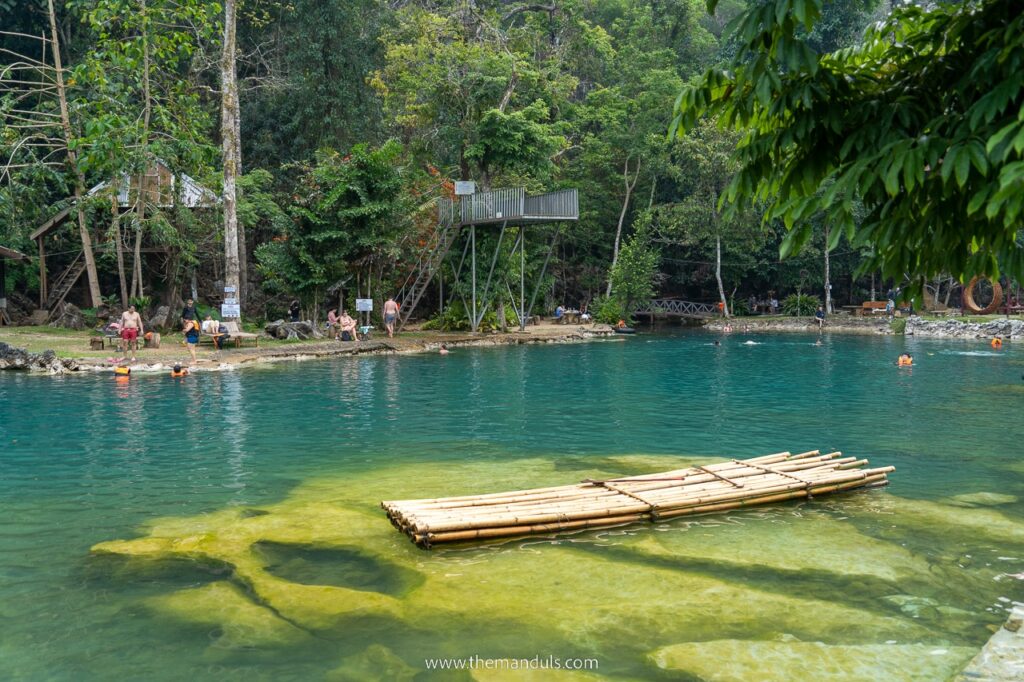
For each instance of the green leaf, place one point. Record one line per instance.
(963, 168)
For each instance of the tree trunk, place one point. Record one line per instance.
(828, 282)
(229, 137)
(144, 143)
(137, 253)
(718, 271)
(119, 245)
(243, 249)
(622, 217)
(65, 120)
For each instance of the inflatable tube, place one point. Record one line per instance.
(625, 330)
(122, 371)
(974, 308)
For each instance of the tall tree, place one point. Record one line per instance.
(72, 156)
(229, 129)
(705, 168)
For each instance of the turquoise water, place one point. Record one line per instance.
(87, 460)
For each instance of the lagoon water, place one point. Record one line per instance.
(226, 526)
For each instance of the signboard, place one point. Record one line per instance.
(229, 290)
(230, 301)
(464, 188)
(231, 310)
(364, 305)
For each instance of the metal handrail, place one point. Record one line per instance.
(674, 306)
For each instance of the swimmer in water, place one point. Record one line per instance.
(444, 349)
(717, 342)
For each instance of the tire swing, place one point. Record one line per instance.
(974, 308)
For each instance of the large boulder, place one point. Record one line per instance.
(47, 361)
(67, 315)
(279, 329)
(160, 318)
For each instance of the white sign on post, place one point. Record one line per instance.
(229, 290)
(464, 188)
(230, 310)
(230, 301)
(364, 305)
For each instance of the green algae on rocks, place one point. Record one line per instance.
(743, 660)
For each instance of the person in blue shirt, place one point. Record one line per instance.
(559, 312)
(820, 317)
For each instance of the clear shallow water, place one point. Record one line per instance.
(243, 570)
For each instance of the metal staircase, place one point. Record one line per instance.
(66, 280)
(430, 260)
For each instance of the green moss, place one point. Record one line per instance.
(742, 660)
(374, 664)
(240, 622)
(530, 587)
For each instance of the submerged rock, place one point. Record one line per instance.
(917, 517)
(376, 663)
(734, 660)
(509, 674)
(241, 622)
(588, 597)
(785, 543)
(982, 499)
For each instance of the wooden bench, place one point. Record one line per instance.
(872, 307)
(235, 335)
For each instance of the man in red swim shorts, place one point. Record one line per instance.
(131, 329)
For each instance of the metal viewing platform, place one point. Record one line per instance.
(509, 206)
(502, 208)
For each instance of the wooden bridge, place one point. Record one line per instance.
(673, 307)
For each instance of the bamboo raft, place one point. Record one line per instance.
(652, 497)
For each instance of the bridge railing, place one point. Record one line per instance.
(675, 306)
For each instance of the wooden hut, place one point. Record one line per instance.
(163, 189)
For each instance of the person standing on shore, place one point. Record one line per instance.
(293, 310)
(131, 329)
(191, 330)
(189, 311)
(390, 313)
(820, 317)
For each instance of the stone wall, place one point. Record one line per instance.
(953, 328)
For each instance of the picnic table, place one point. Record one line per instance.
(574, 315)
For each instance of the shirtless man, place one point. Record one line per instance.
(390, 313)
(131, 330)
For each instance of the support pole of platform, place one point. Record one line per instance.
(522, 279)
(472, 240)
(485, 301)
